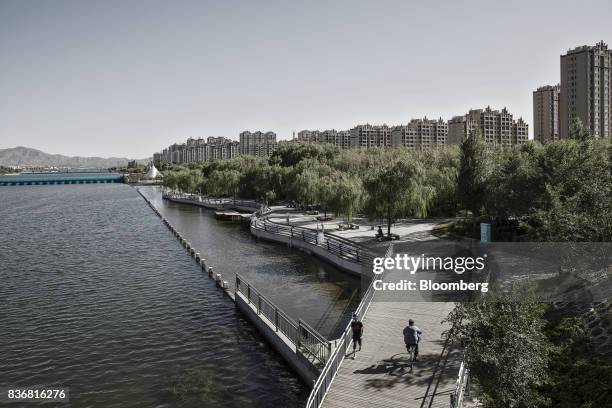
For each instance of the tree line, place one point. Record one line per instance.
(558, 191)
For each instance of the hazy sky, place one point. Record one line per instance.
(127, 78)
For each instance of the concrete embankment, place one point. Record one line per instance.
(283, 345)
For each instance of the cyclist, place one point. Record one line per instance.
(412, 336)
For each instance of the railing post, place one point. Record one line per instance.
(248, 293)
(276, 318)
(259, 304)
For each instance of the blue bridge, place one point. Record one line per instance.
(28, 179)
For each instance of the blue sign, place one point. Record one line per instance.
(485, 232)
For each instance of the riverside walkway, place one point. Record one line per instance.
(379, 376)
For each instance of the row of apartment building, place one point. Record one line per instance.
(218, 148)
(584, 92)
(493, 126)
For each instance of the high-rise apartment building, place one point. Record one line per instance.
(338, 138)
(199, 150)
(367, 136)
(546, 113)
(586, 90)
(420, 134)
(494, 127)
(257, 143)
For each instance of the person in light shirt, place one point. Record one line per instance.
(412, 337)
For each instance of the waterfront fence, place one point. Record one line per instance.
(461, 387)
(305, 339)
(333, 244)
(215, 202)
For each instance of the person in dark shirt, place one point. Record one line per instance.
(357, 329)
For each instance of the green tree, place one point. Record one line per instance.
(325, 192)
(578, 131)
(346, 194)
(442, 167)
(223, 183)
(397, 189)
(512, 185)
(290, 155)
(471, 181)
(505, 348)
(575, 185)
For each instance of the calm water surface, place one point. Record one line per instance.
(97, 295)
(301, 285)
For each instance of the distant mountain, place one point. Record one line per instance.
(27, 157)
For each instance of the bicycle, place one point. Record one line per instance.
(411, 354)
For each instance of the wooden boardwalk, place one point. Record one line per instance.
(379, 376)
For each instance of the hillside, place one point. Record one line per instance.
(27, 157)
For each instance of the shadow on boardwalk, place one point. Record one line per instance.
(380, 376)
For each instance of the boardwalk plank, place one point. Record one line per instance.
(379, 375)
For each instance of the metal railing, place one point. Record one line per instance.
(461, 386)
(223, 202)
(305, 339)
(323, 383)
(335, 245)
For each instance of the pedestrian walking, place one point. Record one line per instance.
(357, 330)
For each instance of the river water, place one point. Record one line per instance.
(97, 295)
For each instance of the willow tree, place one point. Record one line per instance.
(223, 183)
(325, 192)
(183, 179)
(346, 195)
(304, 180)
(397, 189)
